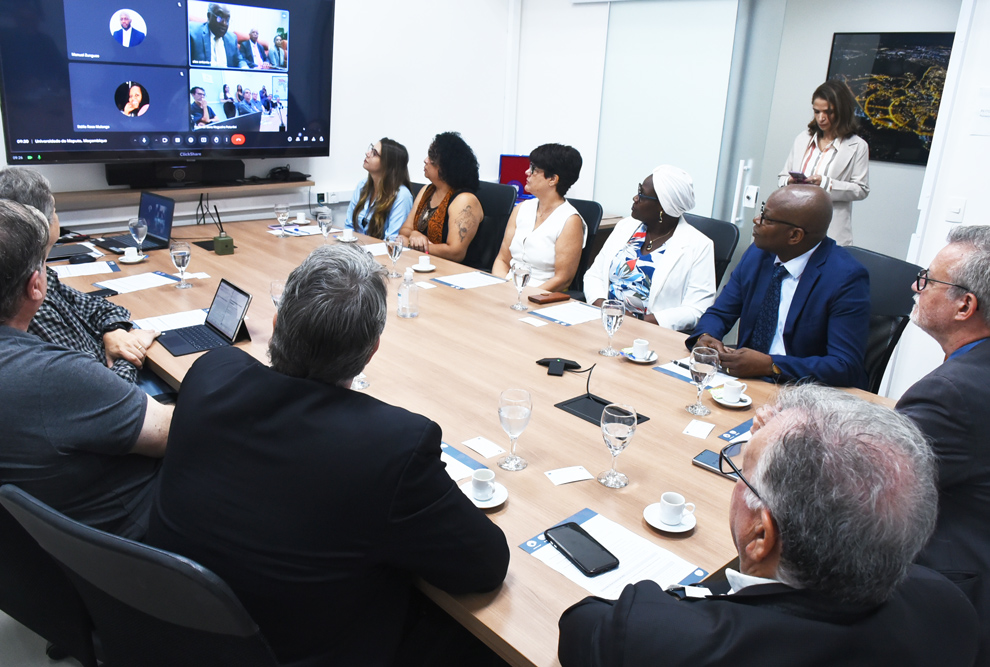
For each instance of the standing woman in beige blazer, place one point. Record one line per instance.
(830, 154)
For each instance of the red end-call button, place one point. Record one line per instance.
(237, 139)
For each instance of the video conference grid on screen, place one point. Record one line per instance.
(175, 75)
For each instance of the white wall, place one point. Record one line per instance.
(561, 65)
(957, 169)
(885, 220)
(406, 70)
(663, 100)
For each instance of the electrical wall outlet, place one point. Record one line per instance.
(321, 198)
(752, 194)
(332, 198)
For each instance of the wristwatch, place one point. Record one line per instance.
(775, 371)
(116, 326)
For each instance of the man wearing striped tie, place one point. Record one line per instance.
(802, 302)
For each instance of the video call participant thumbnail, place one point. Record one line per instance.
(210, 43)
(127, 35)
(200, 113)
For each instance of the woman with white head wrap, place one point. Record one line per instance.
(661, 267)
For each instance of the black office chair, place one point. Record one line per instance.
(497, 201)
(724, 236)
(414, 188)
(150, 607)
(36, 593)
(891, 301)
(591, 212)
(229, 110)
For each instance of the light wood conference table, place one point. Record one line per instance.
(450, 364)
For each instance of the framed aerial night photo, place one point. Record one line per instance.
(897, 79)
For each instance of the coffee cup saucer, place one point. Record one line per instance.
(123, 259)
(419, 268)
(652, 516)
(648, 359)
(340, 237)
(500, 496)
(743, 402)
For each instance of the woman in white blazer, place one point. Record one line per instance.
(661, 267)
(830, 154)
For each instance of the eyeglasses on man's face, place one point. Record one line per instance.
(726, 465)
(639, 193)
(764, 219)
(921, 282)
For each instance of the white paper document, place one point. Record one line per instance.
(187, 318)
(459, 465)
(138, 282)
(572, 312)
(698, 429)
(484, 446)
(297, 231)
(679, 367)
(73, 270)
(426, 284)
(639, 559)
(378, 249)
(568, 475)
(470, 280)
(533, 322)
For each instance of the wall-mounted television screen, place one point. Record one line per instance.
(137, 80)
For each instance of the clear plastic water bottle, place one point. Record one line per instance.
(408, 296)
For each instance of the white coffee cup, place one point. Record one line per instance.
(300, 217)
(130, 253)
(348, 234)
(483, 484)
(641, 348)
(424, 261)
(732, 391)
(673, 509)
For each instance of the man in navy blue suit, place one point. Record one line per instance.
(127, 35)
(802, 302)
(252, 53)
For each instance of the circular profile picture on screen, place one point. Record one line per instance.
(132, 99)
(127, 27)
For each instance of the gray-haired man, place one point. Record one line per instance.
(75, 435)
(835, 499)
(317, 504)
(950, 406)
(88, 324)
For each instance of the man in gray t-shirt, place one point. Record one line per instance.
(75, 435)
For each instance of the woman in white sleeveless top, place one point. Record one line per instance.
(546, 233)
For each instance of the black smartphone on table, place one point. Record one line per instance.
(708, 460)
(577, 546)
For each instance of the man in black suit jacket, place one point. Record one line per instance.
(319, 505)
(835, 498)
(950, 405)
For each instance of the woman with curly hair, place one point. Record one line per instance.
(446, 214)
(382, 201)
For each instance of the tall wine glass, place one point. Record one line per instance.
(282, 215)
(325, 221)
(612, 312)
(618, 427)
(514, 408)
(703, 366)
(394, 245)
(278, 286)
(181, 252)
(138, 227)
(520, 277)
